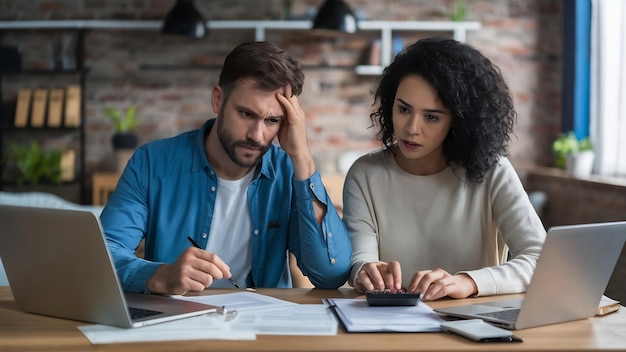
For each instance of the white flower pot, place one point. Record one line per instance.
(580, 164)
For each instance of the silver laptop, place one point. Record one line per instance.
(572, 272)
(58, 265)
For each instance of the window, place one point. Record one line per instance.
(594, 79)
(607, 113)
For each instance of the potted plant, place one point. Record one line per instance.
(574, 155)
(124, 125)
(36, 166)
(124, 139)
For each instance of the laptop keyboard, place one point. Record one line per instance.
(138, 313)
(506, 315)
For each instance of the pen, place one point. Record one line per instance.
(198, 246)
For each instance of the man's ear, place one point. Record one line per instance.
(217, 99)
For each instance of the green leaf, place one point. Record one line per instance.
(122, 125)
(36, 166)
(585, 144)
(568, 144)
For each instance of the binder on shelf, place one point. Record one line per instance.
(23, 107)
(40, 100)
(72, 106)
(55, 107)
(68, 161)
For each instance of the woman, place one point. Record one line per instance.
(440, 206)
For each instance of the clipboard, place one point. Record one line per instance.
(357, 316)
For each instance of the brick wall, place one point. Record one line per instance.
(336, 100)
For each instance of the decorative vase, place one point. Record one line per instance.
(580, 164)
(124, 141)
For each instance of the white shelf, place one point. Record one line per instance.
(258, 26)
(386, 28)
(80, 24)
(458, 29)
(369, 70)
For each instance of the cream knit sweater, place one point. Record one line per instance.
(439, 221)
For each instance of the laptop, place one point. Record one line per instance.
(58, 264)
(572, 272)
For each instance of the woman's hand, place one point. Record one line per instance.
(379, 276)
(434, 284)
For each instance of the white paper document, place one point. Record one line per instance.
(207, 326)
(240, 301)
(256, 314)
(265, 315)
(358, 316)
(303, 319)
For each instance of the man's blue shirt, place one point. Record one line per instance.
(167, 192)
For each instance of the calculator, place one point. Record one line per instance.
(391, 298)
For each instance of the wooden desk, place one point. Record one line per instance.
(23, 331)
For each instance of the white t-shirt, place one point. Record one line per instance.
(230, 231)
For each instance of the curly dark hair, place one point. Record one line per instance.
(470, 86)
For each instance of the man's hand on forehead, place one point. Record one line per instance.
(288, 91)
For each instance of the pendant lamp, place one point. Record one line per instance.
(184, 19)
(335, 15)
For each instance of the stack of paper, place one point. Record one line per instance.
(208, 326)
(357, 316)
(256, 314)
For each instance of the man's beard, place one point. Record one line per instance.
(230, 145)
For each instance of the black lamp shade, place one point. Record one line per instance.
(184, 19)
(335, 15)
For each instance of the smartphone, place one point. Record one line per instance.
(480, 331)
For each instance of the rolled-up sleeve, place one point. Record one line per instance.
(325, 249)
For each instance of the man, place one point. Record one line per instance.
(243, 200)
